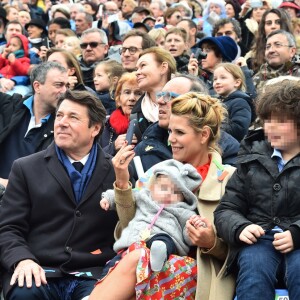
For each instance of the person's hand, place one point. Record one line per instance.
(283, 242)
(11, 58)
(120, 162)
(25, 270)
(193, 65)
(241, 62)
(202, 236)
(6, 84)
(6, 52)
(104, 204)
(35, 50)
(119, 142)
(4, 181)
(72, 80)
(197, 221)
(251, 233)
(43, 52)
(245, 7)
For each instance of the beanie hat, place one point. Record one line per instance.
(184, 176)
(225, 44)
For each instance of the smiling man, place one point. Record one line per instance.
(56, 239)
(281, 58)
(94, 45)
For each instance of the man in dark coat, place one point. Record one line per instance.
(54, 238)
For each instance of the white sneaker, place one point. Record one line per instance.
(158, 255)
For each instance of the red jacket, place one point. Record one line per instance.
(20, 67)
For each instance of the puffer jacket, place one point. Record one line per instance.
(258, 193)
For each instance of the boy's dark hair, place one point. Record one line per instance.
(281, 99)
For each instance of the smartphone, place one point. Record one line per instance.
(130, 131)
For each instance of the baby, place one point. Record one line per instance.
(162, 209)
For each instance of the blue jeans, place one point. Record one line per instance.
(259, 265)
(70, 288)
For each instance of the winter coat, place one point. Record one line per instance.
(258, 193)
(171, 220)
(107, 101)
(20, 66)
(238, 105)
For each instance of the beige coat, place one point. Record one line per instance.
(211, 264)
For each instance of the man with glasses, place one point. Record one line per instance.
(94, 45)
(154, 146)
(133, 44)
(280, 56)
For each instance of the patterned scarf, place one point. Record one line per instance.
(79, 180)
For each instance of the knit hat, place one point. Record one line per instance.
(225, 44)
(288, 3)
(38, 23)
(184, 176)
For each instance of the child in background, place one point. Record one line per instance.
(259, 215)
(72, 44)
(162, 209)
(14, 61)
(229, 84)
(106, 76)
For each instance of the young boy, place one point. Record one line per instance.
(259, 215)
(162, 210)
(14, 60)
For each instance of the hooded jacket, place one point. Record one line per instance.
(258, 193)
(239, 106)
(20, 66)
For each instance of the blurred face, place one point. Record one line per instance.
(155, 10)
(278, 51)
(34, 32)
(257, 13)
(215, 8)
(111, 8)
(130, 93)
(174, 19)
(272, 23)
(282, 133)
(101, 79)
(175, 44)
(54, 86)
(73, 12)
(24, 18)
(59, 40)
(209, 63)
(160, 42)
(149, 72)
(228, 30)
(15, 44)
(59, 57)
(88, 9)
(71, 45)
(230, 13)
(164, 191)
(129, 60)
(126, 8)
(292, 12)
(80, 23)
(224, 83)
(178, 86)
(13, 14)
(11, 30)
(72, 132)
(185, 141)
(90, 54)
(52, 32)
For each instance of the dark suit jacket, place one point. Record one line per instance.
(40, 219)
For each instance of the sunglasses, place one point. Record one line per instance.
(91, 44)
(167, 96)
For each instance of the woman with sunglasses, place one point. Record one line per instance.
(194, 131)
(154, 69)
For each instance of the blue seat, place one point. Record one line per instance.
(279, 295)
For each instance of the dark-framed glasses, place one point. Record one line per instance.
(91, 44)
(166, 96)
(132, 50)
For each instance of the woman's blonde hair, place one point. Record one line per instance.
(201, 110)
(157, 33)
(236, 72)
(129, 78)
(162, 55)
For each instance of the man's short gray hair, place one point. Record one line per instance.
(289, 36)
(101, 32)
